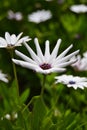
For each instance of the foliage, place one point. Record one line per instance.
(60, 108)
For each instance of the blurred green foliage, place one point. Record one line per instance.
(71, 105)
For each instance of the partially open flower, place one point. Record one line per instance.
(11, 41)
(72, 81)
(47, 63)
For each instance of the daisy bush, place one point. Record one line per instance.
(43, 68)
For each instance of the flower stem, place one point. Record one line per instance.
(43, 85)
(15, 74)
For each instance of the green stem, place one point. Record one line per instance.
(15, 73)
(43, 85)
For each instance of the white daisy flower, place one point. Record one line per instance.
(39, 16)
(79, 8)
(47, 63)
(80, 64)
(3, 77)
(11, 41)
(72, 81)
(17, 16)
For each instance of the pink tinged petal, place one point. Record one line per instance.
(13, 39)
(33, 55)
(55, 50)
(24, 57)
(66, 58)
(64, 52)
(39, 52)
(3, 42)
(47, 51)
(8, 38)
(25, 64)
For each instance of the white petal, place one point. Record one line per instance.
(64, 52)
(8, 38)
(3, 42)
(24, 57)
(4, 79)
(66, 57)
(64, 64)
(47, 51)
(25, 64)
(55, 50)
(39, 52)
(24, 39)
(13, 39)
(48, 71)
(33, 55)
(18, 37)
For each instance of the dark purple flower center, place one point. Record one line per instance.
(72, 82)
(45, 66)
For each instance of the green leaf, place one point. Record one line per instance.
(47, 123)
(24, 95)
(38, 113)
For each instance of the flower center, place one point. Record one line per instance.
(72, 82)
(45, 66)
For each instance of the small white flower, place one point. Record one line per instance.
(79, 8)
(80, 64)
(12, 40)
(3, 77)
(7, 116)
(39, 16)
(17, 16)
(47, 63)
(72, 81)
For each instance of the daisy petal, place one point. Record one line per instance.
(55, 50)
(3, 42)
(33, 55)
(64, 52)
(7, 37)
(18, 37)
(67, 57)
(24, 57)
(13, 39)
(39, 52)
(25, 64)
(47, 51)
